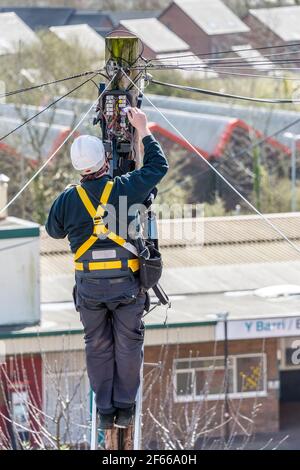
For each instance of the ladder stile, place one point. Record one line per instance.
(137, 442)
(94, 428)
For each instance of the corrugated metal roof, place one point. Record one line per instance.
(210, 129)
(13, 33)
(63, 117)
(188, 309)
(283, 21)
(155, 35)
(212, 16)
(81, 34)
(187, 115)
(23, 142)
(260, 118)
(202, 130)
(210, 231)
(228, 253)
(60, 121)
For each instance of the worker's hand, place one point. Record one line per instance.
(139, 120)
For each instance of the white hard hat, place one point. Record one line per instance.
(87, 154)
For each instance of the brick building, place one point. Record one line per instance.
(274, 26)
(208, 26)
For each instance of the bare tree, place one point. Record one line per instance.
(57, 420)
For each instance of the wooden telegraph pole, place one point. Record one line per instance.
(122, 51)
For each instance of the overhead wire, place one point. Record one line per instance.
(254, 60)
(185, 179)
(3, 209)
(222, 67)
(226, 68)
(223, 178)
(260, 56)
(50, 105)
(227, 72)
(242, 63)
(246, 63)
(225, 95)
(261, 141)
(53, 82)
(228, 51)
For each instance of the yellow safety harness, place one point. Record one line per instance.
(101, 229)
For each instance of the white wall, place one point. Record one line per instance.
(19, 281)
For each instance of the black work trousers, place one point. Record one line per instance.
(111, 312)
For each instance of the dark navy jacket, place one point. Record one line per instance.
(68, 216)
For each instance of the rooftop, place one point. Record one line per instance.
(81, 34)
(13, 227)
(187, 311)
(117, 16)
(212, 16)
(155, 35)
(259, 118)
(14, 33)
(217, 125)
(283, 21)
(102, 21)
(210, 129)
(215, 254)
(41, 17)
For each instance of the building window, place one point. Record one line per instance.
(199, 378)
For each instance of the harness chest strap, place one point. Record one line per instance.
(99, 228)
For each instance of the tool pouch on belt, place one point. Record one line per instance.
(150, 265)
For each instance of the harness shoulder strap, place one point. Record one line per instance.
(103, 198)
(99, 227)
(93, 213)
(86, 201)
(106, 192)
